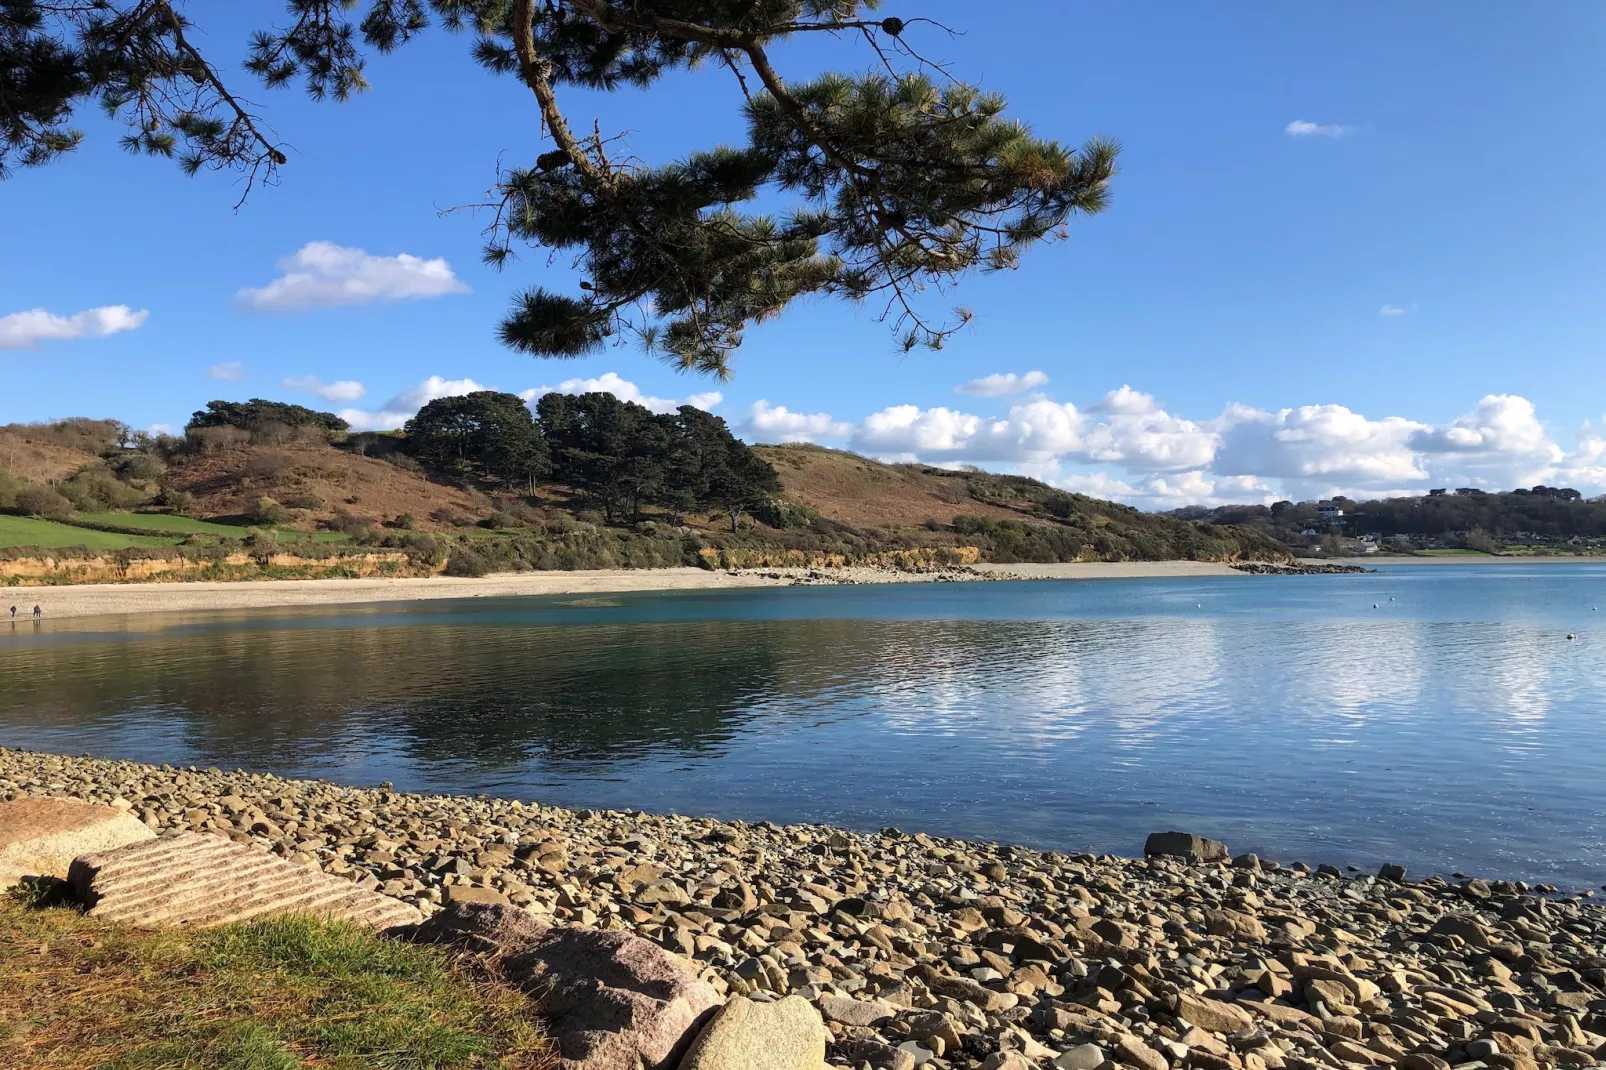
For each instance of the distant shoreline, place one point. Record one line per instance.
(117, 599)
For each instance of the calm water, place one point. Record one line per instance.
(1453, 727)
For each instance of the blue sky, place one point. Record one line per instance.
(1352, 248)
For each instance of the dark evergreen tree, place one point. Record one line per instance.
(486, 433)
(257, 413)
(884, 183)
(711, 468)
(615, 451)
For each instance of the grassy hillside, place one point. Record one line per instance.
(1013, 517)
(48, 534)
(364, 493)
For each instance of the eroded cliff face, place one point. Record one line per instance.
(49, 570)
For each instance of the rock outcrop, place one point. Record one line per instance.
(41, 837)
(743, 1035)
(1184, 845)
(198, 880)
(611, 1001)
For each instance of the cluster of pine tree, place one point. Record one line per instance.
(622, 455)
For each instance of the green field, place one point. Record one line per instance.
(165, 529)
(26, 531)
(164, 523)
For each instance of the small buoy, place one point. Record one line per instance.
(1375, 605)
(1391, 598)
(1198, 605)
(1570, 635)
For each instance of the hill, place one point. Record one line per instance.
(251, 500)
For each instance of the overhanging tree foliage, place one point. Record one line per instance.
(892, 181)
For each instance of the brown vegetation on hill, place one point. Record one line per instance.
(865, 493)
(320, 479)
(38, 461)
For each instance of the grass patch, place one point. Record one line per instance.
(47, 534)
(163, 523)
(277, 994)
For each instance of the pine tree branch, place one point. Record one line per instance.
(270, 153)
(537, 74)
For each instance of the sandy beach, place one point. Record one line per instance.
(90, 600)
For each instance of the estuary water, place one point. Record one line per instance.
(1447, 717)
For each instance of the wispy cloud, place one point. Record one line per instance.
(1396, 310)
(229, 371)
(342, 390)
(25, 330)
(322, 274)
(1306, 128)
(1002, 384)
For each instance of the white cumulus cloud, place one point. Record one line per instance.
(625, 390)
(1318, 446)
(1129, 446)
(1498, 445)
(1391, 311)
(228, 370)
(340, 390)
(1306, 128)
(401, 408)
(776, 423)
(25, 330)
(1002, 384)
(322, 274)
(1139, 435)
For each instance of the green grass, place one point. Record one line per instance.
(47, 534)
(164, 523)
(1453, 552)
(277, 994)
(165, 530)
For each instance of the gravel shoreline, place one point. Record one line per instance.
(922, 950)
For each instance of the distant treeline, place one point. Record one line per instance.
(1550, 512)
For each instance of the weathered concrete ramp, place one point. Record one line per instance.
(41, 837)
(199, 880)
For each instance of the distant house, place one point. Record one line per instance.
(1310, 533)
(1329, 510)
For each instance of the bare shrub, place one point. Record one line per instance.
(217, 439)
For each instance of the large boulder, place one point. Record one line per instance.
(743, 1035)
(611, 1001)
(1185, 845)
(199, 880)
(41, 837)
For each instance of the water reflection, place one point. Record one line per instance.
(1455, 728)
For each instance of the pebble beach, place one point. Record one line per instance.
(949, 954)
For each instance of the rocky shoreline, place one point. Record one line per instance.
(920, 950)
(1264, 568)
